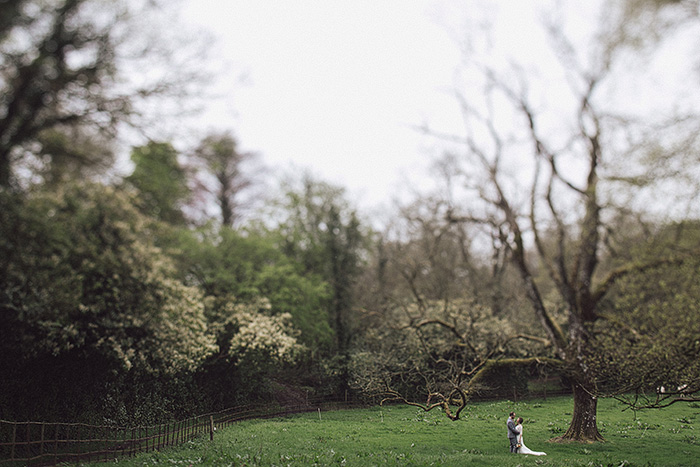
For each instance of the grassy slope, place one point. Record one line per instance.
(401, 435)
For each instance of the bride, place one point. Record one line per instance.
(522, 449)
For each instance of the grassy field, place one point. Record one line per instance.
(406, 436)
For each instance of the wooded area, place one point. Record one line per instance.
(561, 245)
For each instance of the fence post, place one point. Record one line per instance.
(55, 445)
(545, 389)
(14, 440)
(211, 428)
(41, 445)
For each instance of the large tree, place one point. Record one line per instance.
(543, 182)
(319, 229)
(323, 232)
(442, 321)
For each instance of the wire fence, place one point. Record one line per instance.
(50, 443)
(44, 443)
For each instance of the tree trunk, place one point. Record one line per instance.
(584, 426)
(5, 167)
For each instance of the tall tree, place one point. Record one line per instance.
(69, 63)
(555, 187)
(223, 174)
(322, 231)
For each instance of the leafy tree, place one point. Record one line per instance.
(250, 332)
(83, 286)
(551, 217)
(161, 182)
(318, 229)
(323, 233)
(234, 267)
(269, 318)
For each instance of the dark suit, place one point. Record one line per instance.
(512, 435)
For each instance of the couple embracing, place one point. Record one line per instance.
(515, 436)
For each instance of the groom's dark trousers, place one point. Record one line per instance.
(512, 435)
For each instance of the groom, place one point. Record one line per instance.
(512, 434)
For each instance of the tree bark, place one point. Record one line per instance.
(584, 423)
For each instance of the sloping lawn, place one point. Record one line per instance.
(405, 436)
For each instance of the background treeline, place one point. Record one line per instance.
(111, 311)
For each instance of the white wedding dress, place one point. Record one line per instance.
(524, 449)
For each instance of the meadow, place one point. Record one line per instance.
(400, 435)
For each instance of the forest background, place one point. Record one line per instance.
(559, 240)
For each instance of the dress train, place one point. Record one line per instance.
(524, 449)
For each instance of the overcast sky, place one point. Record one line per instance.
(338, 86)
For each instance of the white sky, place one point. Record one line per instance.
(335, 87)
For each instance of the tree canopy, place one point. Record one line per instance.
(67, 66)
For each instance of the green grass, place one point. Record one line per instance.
(406, 436)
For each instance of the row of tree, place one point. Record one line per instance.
(101, 301)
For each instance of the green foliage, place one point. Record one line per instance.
(249, 332)
(160, 180)
(226, 264)
(319, 230)
(269, 319)
(83, 284)
(322, 231)
(92, 280)
(650, 337)
(401, 435)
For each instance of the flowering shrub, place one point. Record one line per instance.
(253, 331)
(92, 283)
